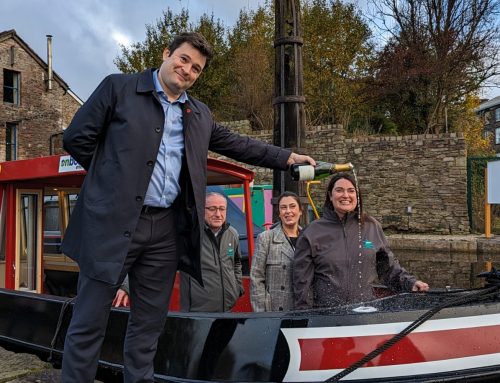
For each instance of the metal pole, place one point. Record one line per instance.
(49, 62)
(487, 207)
(288, 102)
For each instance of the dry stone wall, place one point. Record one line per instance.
(415, 183)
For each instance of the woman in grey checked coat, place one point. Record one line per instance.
(271, 273)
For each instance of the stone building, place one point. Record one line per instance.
(36, 102)
(490, 112)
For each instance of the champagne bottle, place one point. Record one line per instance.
(307, 172)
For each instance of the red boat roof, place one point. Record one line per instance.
(52, 167)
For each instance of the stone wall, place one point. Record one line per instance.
(262, 176)
(41, 112)
(427, 173)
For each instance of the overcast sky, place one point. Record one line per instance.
(87, 33)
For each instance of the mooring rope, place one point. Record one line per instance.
(64, 307)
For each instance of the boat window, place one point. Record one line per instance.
(70, 201)
(58, 206)
(28, 242)
(51, 225)
(60, 272)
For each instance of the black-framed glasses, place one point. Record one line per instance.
(213, 209)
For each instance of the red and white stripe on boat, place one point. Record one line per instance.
(437, 346)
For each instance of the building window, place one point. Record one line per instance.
(497, 136)
(11, 83)
(487, 117)
(10, 141)
(497, 114)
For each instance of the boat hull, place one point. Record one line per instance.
(457, 344)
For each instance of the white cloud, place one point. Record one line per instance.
(121, 39)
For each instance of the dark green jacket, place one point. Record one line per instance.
(221, 273)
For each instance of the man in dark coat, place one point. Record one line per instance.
(144, 144)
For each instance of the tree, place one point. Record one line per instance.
(402, 86)
(239, 82)
(250, 64)
(148, 54)
(336, 52)
(439, 52)
(214, 84)
(467, 121)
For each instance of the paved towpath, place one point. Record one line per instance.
(26, 368)
(470, 243)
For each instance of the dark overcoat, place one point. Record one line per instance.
(115, 136)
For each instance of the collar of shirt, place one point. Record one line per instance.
(182, 98)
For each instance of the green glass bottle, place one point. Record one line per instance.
(307, 172)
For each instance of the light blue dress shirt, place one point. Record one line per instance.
(164, 185)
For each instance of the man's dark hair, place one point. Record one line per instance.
(196, 40)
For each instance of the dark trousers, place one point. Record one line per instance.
(151, 264)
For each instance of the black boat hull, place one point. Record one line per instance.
(458, 344)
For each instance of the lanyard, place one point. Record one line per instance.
(290, 242)
(288, 239)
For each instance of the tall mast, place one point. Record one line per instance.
(288, 101)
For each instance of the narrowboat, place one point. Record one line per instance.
(440, 336)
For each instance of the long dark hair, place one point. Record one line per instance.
(349, 177)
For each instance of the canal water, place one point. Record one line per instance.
(442, 269)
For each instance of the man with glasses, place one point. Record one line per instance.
(220, 263)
